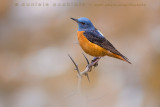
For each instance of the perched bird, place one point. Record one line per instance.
(93, 42)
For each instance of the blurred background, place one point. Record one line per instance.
(36, 37)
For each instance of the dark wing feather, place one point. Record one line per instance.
(95, 37)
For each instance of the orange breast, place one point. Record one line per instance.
(89, 47)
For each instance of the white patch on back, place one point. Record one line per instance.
(100, 33)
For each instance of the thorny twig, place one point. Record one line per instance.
(88, 68)
(88, 64)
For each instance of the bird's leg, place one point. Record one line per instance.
(95, 61)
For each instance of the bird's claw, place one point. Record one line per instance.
(96, 64)
(94, 60)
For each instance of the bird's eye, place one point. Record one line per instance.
(82, 23)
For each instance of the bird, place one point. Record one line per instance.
(93, 42)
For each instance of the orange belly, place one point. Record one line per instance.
(91, 48)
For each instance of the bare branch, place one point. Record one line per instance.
(87, 77)
(77, 69)
(88, 67)
(86, 59)
(88, 64)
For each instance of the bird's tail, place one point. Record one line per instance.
(122, 58)
(125, 59)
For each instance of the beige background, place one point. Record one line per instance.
(35, 70)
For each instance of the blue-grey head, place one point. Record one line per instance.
(84, 24)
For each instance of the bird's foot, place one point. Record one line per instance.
(95, 61)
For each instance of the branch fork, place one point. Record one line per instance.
(88, 68)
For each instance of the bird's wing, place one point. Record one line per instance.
(96, 37)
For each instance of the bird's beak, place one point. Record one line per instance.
(75, 19)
